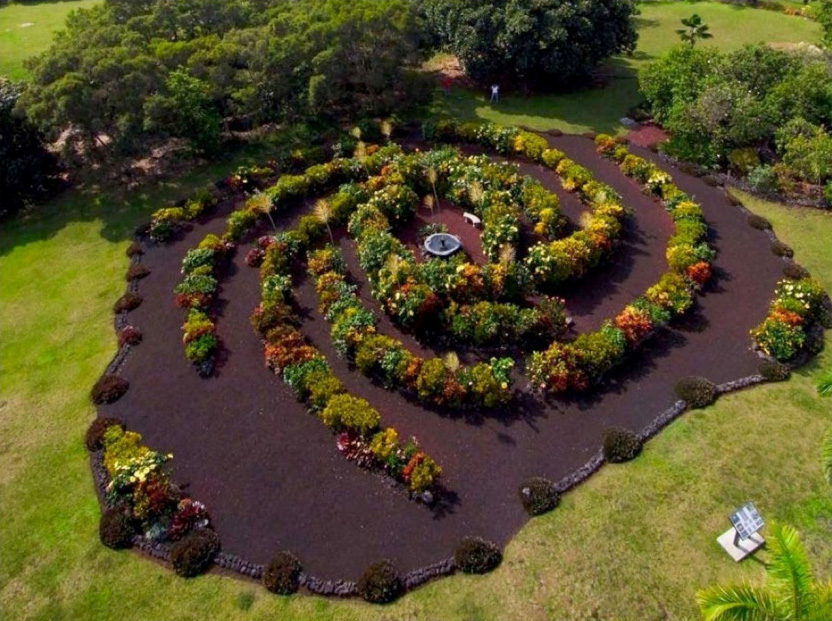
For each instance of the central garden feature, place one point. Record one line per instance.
(408, 404)
(442, 244)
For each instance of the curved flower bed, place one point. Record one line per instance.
(786, 331)
(434, 380)
(306, 372)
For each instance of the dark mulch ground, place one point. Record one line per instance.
(271, 476)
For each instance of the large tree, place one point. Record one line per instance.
(28, 170)
(541, 42)
(126, 69)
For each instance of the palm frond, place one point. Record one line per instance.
(825, 384)
(826, 456)
(322, 211)
(738, 603)
(475, 193)
(788, 571)
(821, 601)
(451, 361)
(507, 254)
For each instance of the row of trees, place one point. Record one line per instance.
(127, 69)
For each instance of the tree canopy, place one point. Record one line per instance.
(713, 102)
(531, 41)
(176, 68)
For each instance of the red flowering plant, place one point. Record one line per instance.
(189, 515)
(634, 323)
(699, 273)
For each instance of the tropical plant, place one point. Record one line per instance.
(790, 594)
(694, 30)
(826, 456)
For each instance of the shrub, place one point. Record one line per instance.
(696, 391)
(620, 444)
(380, 583)
(475, 555)
(762, 179)
(108, 389)
(134, 249)
(94, 439)
(774, 371)
(781, 249)
(282, 574)
(759, 222)
(129, 335)
(352, 413)
(127, 302)
(794, 271)
(137, 271)
(538, 495)
(116, 530)
(194, 554)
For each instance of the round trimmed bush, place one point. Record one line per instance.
(134, 249)
(116, 530)
(774, 371)
(621, 444)
(795, 271)
(538, 495)
(108, 389)
(781, 249)
(380, 583)
(282, 574)
(475, 555)
(696, 391)
(127, 302)
(94, 440)
(137, 271)
(194, 554)
(129, 335)
(759, 222)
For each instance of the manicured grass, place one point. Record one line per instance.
(634, 542)
(27, 30)
(600, 109)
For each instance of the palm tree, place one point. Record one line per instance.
(433, 176)
(825, 384)
(791, 593)
(826, 456)
(323, 212)
(694, 29)
(262, 204)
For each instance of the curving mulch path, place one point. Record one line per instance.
(270, 474)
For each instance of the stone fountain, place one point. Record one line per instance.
(442, 244)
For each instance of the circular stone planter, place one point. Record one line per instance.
(442, 244)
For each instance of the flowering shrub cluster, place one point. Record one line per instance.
(797, 305)
(167, 221)
(434, 380)
(576, 365)
(140, 489)
(196, 293)
(306, 372)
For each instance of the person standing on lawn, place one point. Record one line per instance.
(495, 93)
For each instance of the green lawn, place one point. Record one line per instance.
(600, 110)
(27, 30)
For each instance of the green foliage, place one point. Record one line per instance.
(531, 41)
(806, 150)
(475, 555)
(714, 103)
(791, 592)
(694, 30)
(380, 583)
(350, 413)
(94, 438)
(177, 69)
(29, 171)
(185, 109)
